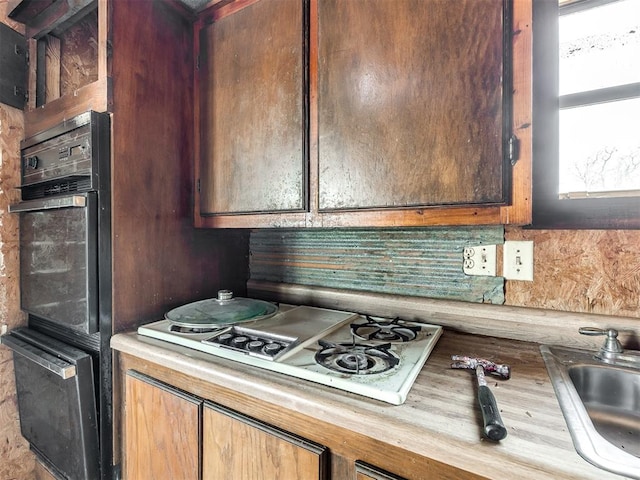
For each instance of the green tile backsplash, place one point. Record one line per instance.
(422, 262)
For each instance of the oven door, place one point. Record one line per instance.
(56, 401)
(59, 260)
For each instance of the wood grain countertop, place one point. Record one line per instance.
(440, 419)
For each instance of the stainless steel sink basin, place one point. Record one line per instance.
(601, 405)
(612, 399)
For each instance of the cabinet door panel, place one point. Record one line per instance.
(252, 131)
(161, 431)
(364, 471)
(410, 103)
(236, 447)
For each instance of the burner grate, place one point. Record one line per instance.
(252, 342)
(391, 331)
(356, 358)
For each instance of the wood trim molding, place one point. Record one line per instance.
(519, 212)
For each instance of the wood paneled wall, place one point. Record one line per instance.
(16, 460)
(592, 271)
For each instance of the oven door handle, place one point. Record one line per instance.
(77, 201)
(46, 360)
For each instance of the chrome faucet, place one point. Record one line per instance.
(611, 351)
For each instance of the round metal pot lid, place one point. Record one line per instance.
(224, 310)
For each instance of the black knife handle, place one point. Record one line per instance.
(494, 429)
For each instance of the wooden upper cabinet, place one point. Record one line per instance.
(236, 447)
(161, 430)
(412, 105)
(252, 110)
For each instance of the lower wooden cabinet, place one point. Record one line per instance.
(236, 447)
(168, 434)
(176, 426)
(161, 431)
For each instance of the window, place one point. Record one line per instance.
(586, 114)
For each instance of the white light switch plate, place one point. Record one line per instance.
(479, 260)
(517, 260)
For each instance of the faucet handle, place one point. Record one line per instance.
(610, 332)
(611, 344)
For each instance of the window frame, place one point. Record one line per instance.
(548, 210)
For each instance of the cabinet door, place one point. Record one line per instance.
(252, 110)
(364, 471)
(236, 447)
(410, 104)
(161, 431)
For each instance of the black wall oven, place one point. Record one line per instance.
(58, 260)
(62, 359)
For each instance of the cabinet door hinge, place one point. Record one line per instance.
(198, 185)
(21, 50)
(20, 92)
(514, 149)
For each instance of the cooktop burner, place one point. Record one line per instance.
(356, 358)
(192, 330)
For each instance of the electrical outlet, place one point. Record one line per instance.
(479, 260)
(517, 260)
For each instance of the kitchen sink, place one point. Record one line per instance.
(601, 405)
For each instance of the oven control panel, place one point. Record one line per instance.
(73, 156)
(57, 158)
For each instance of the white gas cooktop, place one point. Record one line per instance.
(370, 356)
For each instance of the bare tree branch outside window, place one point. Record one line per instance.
(608, 169)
